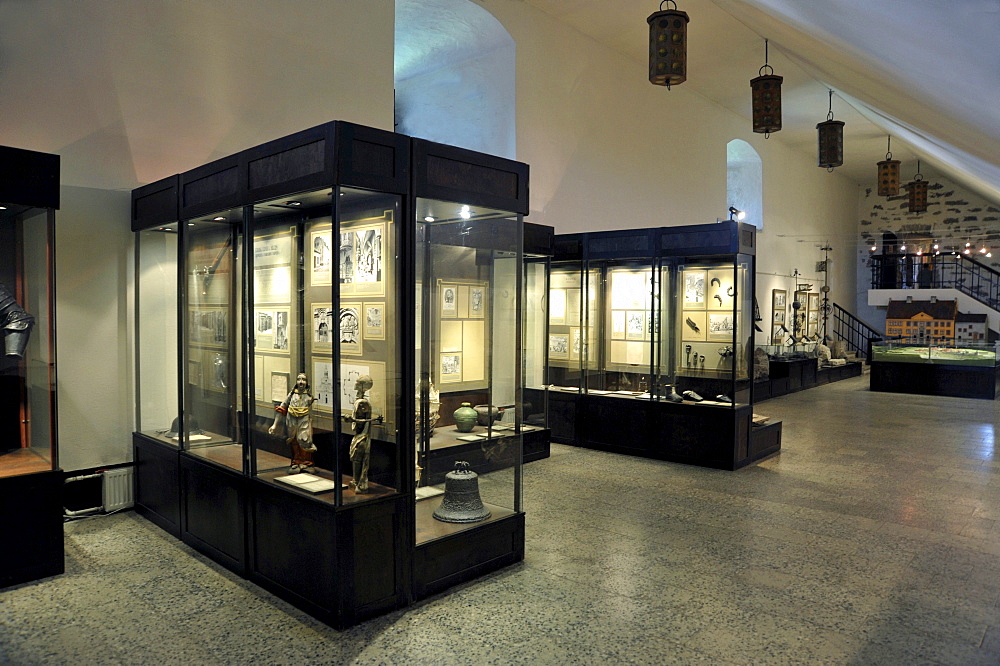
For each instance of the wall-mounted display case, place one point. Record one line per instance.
(305, 395)
(650, 341)
(30, 478)
(962, 370)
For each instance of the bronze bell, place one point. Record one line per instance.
(461, 502)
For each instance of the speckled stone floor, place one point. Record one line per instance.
(872, 539)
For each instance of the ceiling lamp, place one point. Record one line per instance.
(918, 192)
(831, 140)
(667, 46)
(766, 99)
(888, 173)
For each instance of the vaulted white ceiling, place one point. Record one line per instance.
(925, 71)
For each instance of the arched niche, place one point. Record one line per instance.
(454, 76)
(745, 181)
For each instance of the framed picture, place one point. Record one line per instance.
(280, 342)
(777, 334)
(321, 383)
(635, 325)
(350, 328)
(322, 325)
(324, 385)
(557, 307)
(814, 301)
(449, 300)
(368, 257)
(374, 321)
(778, 310)
(194, 373)
(321, 265)
(721, 326)
(361, 255)
(218, 379)
(477, 302)
(279, 386)
(559, 345)
(577, 344)
(451, 367)
(694, 325)
(694, 289)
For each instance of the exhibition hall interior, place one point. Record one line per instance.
(499, 331)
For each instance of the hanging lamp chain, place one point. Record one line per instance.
(888, 149)
(829, 114)
(760, 72)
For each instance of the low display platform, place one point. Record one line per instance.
(791, 375)
(957, 381)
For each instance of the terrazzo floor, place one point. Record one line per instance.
(872, 539)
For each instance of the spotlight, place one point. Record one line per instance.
(874, 248)
(465, 213)
(902, 248)
(736, 214)
(428, 219)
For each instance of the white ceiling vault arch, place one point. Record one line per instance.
(455, 76)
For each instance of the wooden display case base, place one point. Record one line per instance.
(957, 381)
(157, 489)
(31, 527)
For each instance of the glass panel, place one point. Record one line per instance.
(714, 330)
(469, 270)
(958, 353)
(536, 273)
(212, 260)
(629, 323)
(156, 331)
(27, 369)
(567, 335)
(326, 419)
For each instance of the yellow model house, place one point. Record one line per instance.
(921, 321)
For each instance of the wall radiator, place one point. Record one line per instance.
(116, 491)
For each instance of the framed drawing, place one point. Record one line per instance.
(694, 289)
(449, 300)
(279, 386)
(322, 325)
(280, 342)
(720, 326)
(194, 373)
(477, 301)
(694, 326)
(777, 334)
(635, 325)
(557, 307)
(451, 367)
(814, 301)
(559, 345)
(361, 255)
(577, 345)
(374, 321)
(321, 264)
(323, 386)
(350, 328)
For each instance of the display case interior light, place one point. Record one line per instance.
(902, 248)
(429, 218)
(219, 218)
(465, 213)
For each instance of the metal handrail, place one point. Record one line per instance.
(856, 334)
(960, 272)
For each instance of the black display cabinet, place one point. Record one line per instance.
(338, 291)
(31, 522)
(650, 344)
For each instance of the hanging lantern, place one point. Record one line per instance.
(918, 192)
(766, 99)
(831, 140)
(888, 174)
(667, 46)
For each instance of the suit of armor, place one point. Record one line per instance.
(16, 324)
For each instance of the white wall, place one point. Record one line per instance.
(609, 150)
(93, 354)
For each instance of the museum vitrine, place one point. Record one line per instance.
(661, 318)
(30, 479)
(958, 369)
(303, 391)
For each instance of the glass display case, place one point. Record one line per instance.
(662, 318)
(960, 369)
(30, 478)
(334, 324)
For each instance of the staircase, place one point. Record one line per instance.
(856, 334)
(951, 271)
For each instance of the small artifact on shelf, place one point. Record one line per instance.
(692, 396)
(361, 443)
(670, 395)
(485, 412)
(694, 326)
(759, 419)
(465, 417)
(461, 502)
(719, 299)
(724, 398)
